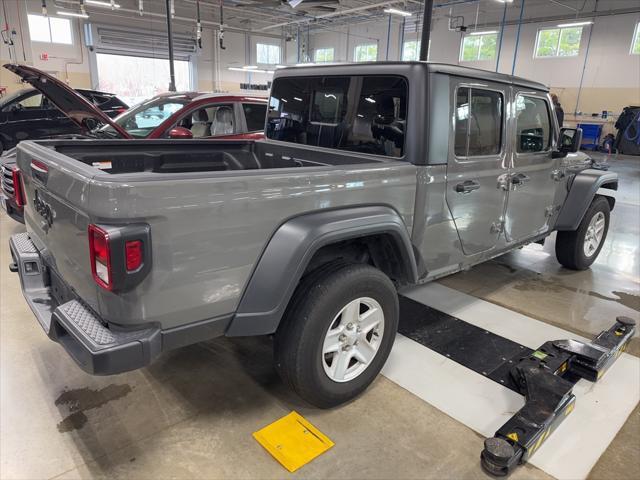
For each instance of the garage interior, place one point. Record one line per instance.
(192, 412)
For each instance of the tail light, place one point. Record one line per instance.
(18, 192)
(100, 254)
(120, 256)
(133, 254)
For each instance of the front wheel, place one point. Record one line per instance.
(337, 333)
(578, 249)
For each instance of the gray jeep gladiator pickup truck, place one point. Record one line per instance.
(372, 177)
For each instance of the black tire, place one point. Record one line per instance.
(300, 337)
(570, 245)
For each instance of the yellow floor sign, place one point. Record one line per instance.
(293, 441)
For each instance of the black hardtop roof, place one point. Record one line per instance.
(374, 68)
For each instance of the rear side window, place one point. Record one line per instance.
(478, 122)
(533, 127)
(366, 114)
(254, 113)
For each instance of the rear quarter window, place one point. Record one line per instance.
(366, 114)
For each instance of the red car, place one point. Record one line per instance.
(193, 115)
(170, 115)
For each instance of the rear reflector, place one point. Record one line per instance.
(18, 192)
(133, 254)
(39, 166)
(100, 255)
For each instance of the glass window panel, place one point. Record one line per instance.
(488, 45)
(461, 122)
(478, 122)
(470, 48)
(547, 42)
(366, 53)
(323, 55)
(569, 42)
(61, 30)
(533, 127)
(411, 50)
(360, 114)
(635, 48)
(32, 102)
(269, 54)
(254, 114)
(39, 28)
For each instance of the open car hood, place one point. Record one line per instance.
(68, 101)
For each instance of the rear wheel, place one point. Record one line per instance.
(578, 249)
(337, 333)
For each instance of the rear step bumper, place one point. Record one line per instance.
(95, 348)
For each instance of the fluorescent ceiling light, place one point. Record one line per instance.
(250, 67)
(575, 24)
(100, 3)
(395, 11)
(247, 70)
(370, 100)
(489, 32)
(297, 98)
(505, 1)
(73, 14)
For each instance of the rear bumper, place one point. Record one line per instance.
(9, 206)
(97, 348)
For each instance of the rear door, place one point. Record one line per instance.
(532, 181)
(477, 163)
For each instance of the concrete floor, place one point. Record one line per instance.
(191, 413)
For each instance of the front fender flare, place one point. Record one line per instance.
(583, 188)
(289, 251)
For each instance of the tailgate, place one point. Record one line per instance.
(56, 188)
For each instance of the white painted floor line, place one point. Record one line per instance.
(483, 405)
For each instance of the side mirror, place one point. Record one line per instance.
(570, 140)
(180, 133)
(16, 107)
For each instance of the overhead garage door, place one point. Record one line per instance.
(134, 64)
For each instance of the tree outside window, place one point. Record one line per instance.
(479, 47)
(635, 46)
(558, 42)
(323, 55)
(411, 50)
(366, 53)
(268, 54)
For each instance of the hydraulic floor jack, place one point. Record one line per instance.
(545, 376)
(546, 379)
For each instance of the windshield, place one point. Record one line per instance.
(4, 101)
(144, 118)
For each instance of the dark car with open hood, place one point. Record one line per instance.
(29, 115)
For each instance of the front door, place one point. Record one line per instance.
(477, 164)
(532, 180)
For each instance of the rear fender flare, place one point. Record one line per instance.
(290, 250)
(584, 187)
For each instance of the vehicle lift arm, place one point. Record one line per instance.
(546, 379)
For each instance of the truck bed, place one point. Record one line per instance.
(211, 207)
(176, 156)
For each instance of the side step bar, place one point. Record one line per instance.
(546, 379)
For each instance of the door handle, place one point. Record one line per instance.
(467, 186)
(519, 179)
